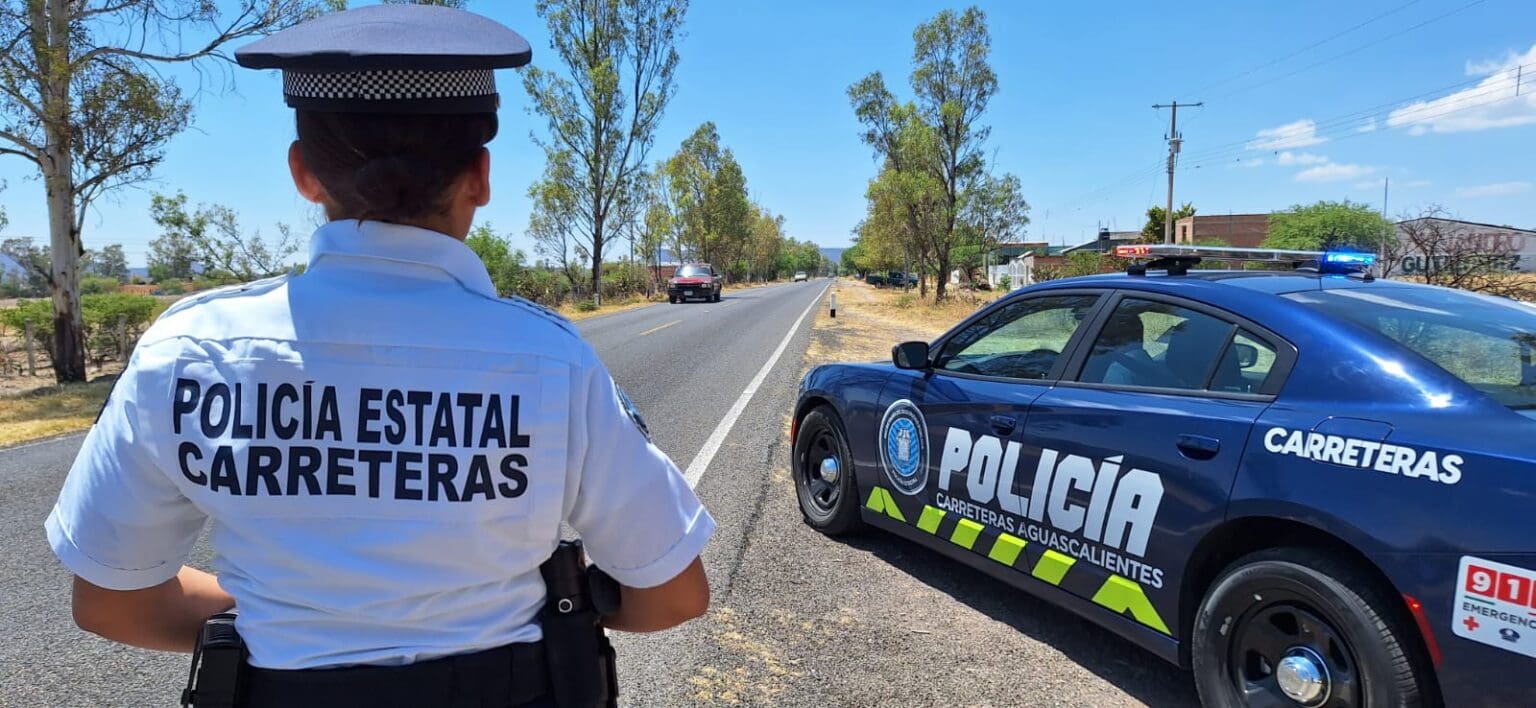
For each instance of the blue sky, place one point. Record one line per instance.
(1073, 117)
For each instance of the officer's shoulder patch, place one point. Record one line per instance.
(633, 413)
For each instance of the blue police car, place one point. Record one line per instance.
(1311, 486)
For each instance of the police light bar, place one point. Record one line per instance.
(1179, 258)
(1220, 253)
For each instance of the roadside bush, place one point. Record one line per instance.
(101, 313)
(1004, 281)
(96, 285)
(586, 306)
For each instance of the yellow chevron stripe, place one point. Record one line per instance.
(1006, 549)
(930, 519)
(880, 501)
(1053, 566)
(1120, 594)
(966, 533)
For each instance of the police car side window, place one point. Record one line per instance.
(1021, 340)
(1245, 366)
(1153, 344)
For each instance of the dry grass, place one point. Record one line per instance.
(570, 312)
(50, 410)
(871, 320)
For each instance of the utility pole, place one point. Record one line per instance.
(1174, 140)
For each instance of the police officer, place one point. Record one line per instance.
(386, 450)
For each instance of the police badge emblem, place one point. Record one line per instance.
(904, 447)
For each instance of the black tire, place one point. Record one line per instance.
(831, 508)
(1304, 603)
(671, 300)
(717, 297)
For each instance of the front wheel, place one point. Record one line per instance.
(823, 471)
(1299, 627)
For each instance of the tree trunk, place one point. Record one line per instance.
(63, 240)
(597, 262)
(941, 280)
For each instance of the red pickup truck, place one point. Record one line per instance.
(694, 281)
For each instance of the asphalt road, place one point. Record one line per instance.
(796, 619)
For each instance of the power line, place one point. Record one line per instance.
(1450, 109)
(1356, 50)
(1354, 121)
(1311, 46)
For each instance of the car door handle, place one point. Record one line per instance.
(1198, 447)
(1004, 424)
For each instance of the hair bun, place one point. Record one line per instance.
(398, 184)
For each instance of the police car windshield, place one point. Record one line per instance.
(692, 272)
(1488, 342)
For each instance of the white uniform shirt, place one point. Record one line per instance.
(385, 450)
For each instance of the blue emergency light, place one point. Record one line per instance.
(1346, 258)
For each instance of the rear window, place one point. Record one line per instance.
(1488, 342)
(692, 272)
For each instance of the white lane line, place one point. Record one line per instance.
(658, 329)
(712, 445)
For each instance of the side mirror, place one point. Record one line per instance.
(1247, 355)
(910, 355)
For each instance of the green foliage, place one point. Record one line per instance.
(1156, 219)
(102, 314)
(1326, 225)
(934, 205)
(619, 57)
(96, 285)
(586, 306)
(210, 241)
(36, 267)
(1004, 281)
(109, 262)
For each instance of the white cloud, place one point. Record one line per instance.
(1255, 162)
(1333, 172)
(1367, 185)
(1498, 189)
(1300, 158)
(1302, 133)
(1367, 127)
(1490, 104)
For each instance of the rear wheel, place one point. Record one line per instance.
(1298, 627)
(823, 471)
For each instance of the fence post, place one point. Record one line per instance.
(834, 304)
(122, 338)
(31, 355)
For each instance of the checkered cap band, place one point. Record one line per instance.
(390, 85)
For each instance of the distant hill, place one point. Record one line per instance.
(835, 255)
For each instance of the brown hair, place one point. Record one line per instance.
(390, 167)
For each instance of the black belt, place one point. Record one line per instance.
(511, 675)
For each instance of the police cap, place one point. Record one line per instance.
(391, 59)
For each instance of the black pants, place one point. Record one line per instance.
(505, 677)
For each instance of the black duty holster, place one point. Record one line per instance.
(218, 666)
(583, 671)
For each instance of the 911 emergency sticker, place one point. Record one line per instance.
(1496, 605)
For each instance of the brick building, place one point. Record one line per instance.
(1237, 230)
